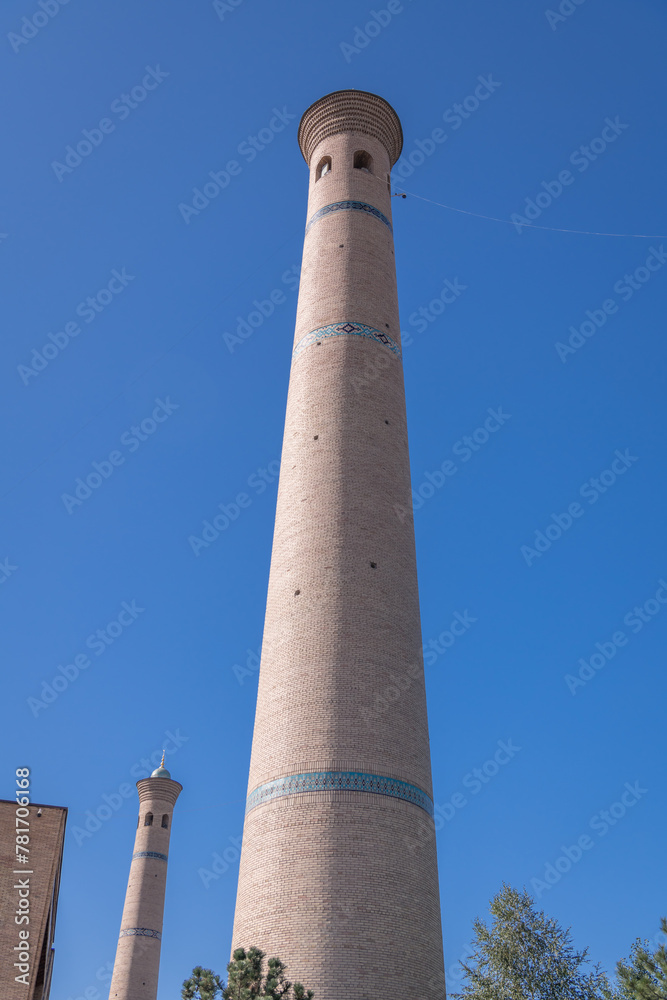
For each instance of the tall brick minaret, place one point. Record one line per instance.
(338, 871)
(135, 971)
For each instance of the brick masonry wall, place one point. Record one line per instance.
(331, 881)
(352, 904)
(46, 834)
(137, 963)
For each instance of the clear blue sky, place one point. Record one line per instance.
(157, 331)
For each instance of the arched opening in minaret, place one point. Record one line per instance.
(363, 161)
(323, 167)
(149, 819)
(165, 821)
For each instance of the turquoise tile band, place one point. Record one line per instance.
(140, 932)
(345, 329)
(349, 206)
(337, 781)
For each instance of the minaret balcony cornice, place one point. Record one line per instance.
(351, 111)
(160, 789)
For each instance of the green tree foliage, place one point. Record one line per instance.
(644, 975)
(245, 975)
(525, 955)
(203, 984)
(246, 980)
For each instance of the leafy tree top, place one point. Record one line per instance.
(644, 975)
(246, 980)
(203, 984)
(525, 955)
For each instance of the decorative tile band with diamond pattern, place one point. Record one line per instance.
(350, 206)
(140, 932)
(341, 329)
(339, 781)
(149, 854)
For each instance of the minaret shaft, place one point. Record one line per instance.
(338, 870)
(136, 968)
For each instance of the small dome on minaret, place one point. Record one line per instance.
(161, 771)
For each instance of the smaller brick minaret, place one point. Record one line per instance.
(137, 965)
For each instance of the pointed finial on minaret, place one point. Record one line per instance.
(161, 771)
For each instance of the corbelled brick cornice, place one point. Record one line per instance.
(351, 111)
(159, 789)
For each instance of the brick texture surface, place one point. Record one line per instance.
(341, 885)
(45, 849)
